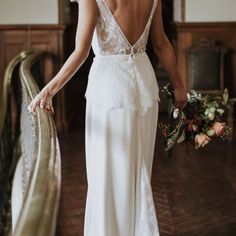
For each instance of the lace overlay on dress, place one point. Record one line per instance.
(121, 74)
(122, 81)
(111, 39)
(148, 219)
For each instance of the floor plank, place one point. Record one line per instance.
(194, 191)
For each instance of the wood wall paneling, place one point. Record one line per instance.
(186, 35)
(47, 38)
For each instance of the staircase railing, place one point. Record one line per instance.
(36, 183)
(8, 139)
(40, 163)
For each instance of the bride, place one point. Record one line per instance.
(121, 111)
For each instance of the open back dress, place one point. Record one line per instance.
(122, 98)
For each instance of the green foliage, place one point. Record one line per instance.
(199, 120)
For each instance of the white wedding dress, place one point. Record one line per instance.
(121, 120)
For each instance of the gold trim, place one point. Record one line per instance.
(6, 85)
(39, 211)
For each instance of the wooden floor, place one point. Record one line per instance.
(194, 191)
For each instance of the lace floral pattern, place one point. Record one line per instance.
(122, 81)
(148, 218)
(121, 74)
(111, 39)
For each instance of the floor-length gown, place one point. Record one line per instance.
(121, 120)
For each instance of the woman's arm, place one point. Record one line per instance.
(164, 50)
(86, 24)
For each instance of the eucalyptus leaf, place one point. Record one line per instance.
(220, 111)
(182, 137)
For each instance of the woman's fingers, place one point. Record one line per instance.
(43, 103)
(49, 106)
(178, 107)
(181, 104)
(180, 97)
(33, 105)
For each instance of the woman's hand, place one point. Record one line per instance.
(181, 99)
(164, 50)
(42, 100)
(87, 21)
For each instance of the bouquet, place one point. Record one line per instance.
(201, 120)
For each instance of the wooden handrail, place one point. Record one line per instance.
(8, 138)
(6, 85)
(41, 163)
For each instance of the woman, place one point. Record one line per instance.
(121, 111)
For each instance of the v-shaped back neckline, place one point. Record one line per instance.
(120, 29)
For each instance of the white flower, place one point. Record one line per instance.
(176, 113)
(211, 132)
(212, 109)
(211, 116)
(188, 96)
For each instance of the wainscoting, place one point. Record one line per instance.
(57, 41)
(186, 35)
(47, 38)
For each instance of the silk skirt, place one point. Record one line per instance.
(119, 144)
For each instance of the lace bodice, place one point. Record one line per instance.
(121, 74)
(109, 37)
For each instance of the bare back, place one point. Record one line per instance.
(123, 28)
(132, 16)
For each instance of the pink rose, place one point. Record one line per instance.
(201, 140)
(219, 128)
(195, 127)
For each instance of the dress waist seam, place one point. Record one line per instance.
(121, 55)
